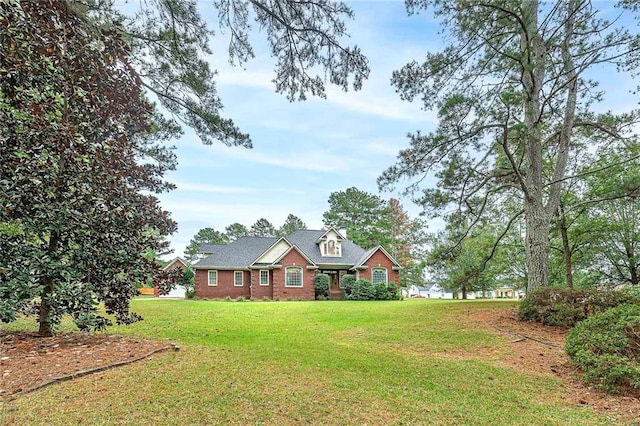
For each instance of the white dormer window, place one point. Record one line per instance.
(331, 248)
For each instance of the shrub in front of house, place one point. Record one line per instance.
(565, 307)
(321, 285)
(606, 347)
(393, 293)
(347, 282)
(380, 291)
(362, 290)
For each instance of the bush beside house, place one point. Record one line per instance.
(321, 283)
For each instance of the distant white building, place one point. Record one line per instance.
(428, 292)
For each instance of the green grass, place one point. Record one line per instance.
(405, 363)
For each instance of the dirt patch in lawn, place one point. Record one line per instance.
(27, 360)
(540, 349)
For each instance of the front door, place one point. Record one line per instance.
(335, 282)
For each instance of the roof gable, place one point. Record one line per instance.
(175, 263)
(299, 251)
(367, 255)
(331, 233)
(274, 252)
(306, 240)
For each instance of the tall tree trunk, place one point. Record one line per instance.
(633, 265)
(566, 249)
(44, 318)
(537, 246)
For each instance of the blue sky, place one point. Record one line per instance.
(303, 151)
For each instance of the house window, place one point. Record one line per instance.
(331, 248)
(293, 276)
(264, 277)
(213, 278)
(378, 275)
(237, 278)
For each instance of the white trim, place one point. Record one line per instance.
(327, 231)
(380, 268)
(209, 281)
(386, 253)
(286, 271)
(235, 282)
(260, 276)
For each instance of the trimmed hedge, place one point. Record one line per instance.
(606, 347)
(363, 290)
(565, 307)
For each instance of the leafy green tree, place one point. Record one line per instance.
(409, 239)
(235, 231)
(514, 90)
(618, 245)
(291, 224)
(466, 267)
(204, 236)
(366, 217)
(262, 228)
(81, 155)
(187, 280)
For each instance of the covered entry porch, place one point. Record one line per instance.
(335, 276)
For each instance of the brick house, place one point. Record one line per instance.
(284, 268)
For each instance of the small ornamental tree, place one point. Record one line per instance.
(321, 285)
(79, 159)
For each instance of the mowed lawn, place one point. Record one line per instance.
(330, 363)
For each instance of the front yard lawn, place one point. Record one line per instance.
(331, 363)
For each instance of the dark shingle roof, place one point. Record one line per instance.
(239, 254)
(210, 248)
(365, 255)
(305, 240)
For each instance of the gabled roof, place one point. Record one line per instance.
(239, 254)
(210, 248)
(366, 255)
(245, 251)
(306, 241)
(178, 259)
(293, 247)
(331, 228)
(270, 248)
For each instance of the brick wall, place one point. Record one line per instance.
(306, 292)
(379, 259)
(258, 291)
(225, 285)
